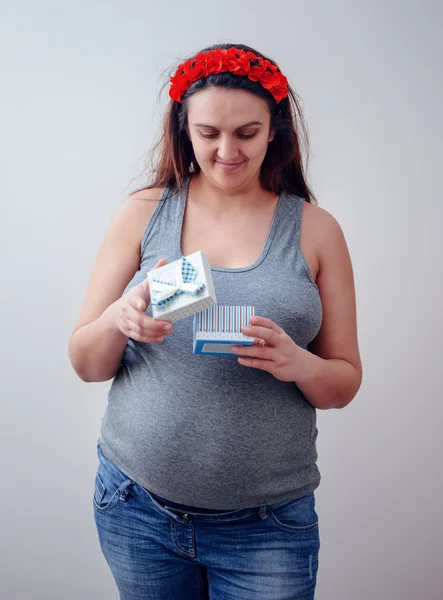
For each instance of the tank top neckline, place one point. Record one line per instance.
(183, 197)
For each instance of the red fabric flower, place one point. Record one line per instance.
(238, 61)
(179, 84)
(281, 90)
(195, 69)
(270, 77)
(214, 62)
(257, 67)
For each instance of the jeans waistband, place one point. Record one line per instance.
(183, 507)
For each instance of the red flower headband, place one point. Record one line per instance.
(235, 61)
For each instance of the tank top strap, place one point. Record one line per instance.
(287, 226)
(164, 228)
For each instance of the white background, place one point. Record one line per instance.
(79, 94)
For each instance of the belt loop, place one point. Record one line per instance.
(262, 513)
(123, 489)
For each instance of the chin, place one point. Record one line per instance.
(229, 179)
(229, 182)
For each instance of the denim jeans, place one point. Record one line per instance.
(159, 553)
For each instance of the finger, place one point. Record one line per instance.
(263, 352)
(134, 335)
(255, 363)
(150, 326)
(263, 322)
(161, 263)
(149, 335)
(137, 302)
(145, 325)
(152, 331)
(270, 336)
(132, 312)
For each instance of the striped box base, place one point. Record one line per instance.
(216, 329)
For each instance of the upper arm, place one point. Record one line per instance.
(119, 255)
(337, 337)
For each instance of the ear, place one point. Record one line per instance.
(271, 135)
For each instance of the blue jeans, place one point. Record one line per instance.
(264, 553)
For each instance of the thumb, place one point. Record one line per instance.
(161, 263)
(146, 293)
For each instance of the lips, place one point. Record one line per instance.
(229, 166)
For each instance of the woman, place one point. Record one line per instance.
(205, 486)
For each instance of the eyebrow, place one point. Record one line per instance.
(241, 126)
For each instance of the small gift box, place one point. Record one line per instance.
(181, 288)
(216, 329)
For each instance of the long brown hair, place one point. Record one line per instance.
(173, 159)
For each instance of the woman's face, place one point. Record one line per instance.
(230, 131)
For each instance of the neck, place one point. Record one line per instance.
(227, 201)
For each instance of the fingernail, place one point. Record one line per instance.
(246, 328)
(167, 328)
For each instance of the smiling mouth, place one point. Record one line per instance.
(223, 164)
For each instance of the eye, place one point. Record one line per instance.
(214, 135)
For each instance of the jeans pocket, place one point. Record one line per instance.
(110, 486)
(295, 515)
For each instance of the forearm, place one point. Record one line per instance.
(326, 383)
(96, 349)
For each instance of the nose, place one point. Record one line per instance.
(228, 150)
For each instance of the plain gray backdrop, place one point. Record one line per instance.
(79, 93)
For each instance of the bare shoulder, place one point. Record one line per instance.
(328, 243)
(147, 195)
(143, 202)
(133, 215)
(326, 238)
(322, 226)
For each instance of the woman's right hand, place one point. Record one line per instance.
(131, 318)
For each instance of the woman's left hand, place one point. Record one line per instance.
(277, 353)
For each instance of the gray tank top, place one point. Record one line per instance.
(205, 431)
